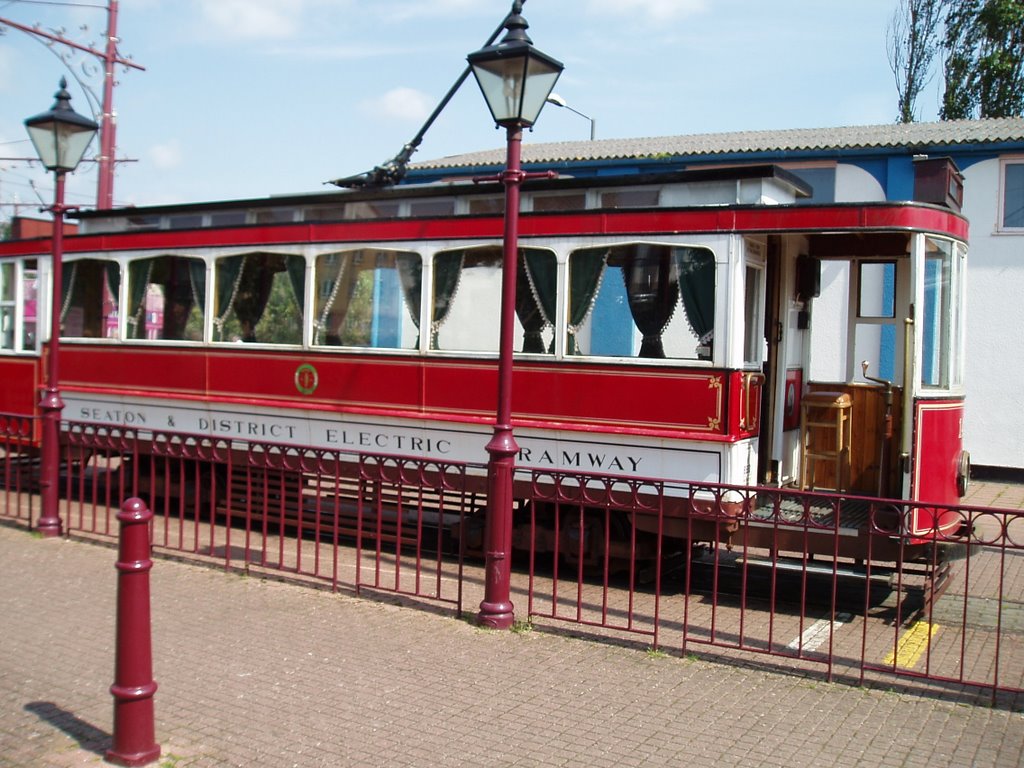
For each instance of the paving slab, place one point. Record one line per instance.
(256, 672)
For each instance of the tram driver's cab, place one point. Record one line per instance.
(865, 349)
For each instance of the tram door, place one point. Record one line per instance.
(859, 325)
(771, 468)
(842, 317)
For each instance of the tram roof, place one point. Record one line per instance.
(933, 136)
(465, 186)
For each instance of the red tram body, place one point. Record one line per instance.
(681, 327)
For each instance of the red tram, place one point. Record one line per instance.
(701, 326)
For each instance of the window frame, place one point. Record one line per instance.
(1004, 165)
(19, 267)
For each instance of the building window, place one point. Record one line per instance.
(822, 181)
(1012, 200)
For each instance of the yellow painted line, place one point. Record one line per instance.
(912, 645)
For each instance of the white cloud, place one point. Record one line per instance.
(167, 155)
(402, 103)
(252, 19)
(654, 10)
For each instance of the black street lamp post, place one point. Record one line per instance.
(61, 137)
(516, 80)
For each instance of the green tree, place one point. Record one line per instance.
(983, 47)
(912, 43)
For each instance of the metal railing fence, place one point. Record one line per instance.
(345, 520)
(19, 469)
(804, 580)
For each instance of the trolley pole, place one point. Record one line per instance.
(133, 688)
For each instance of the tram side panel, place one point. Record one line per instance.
(940, 466)
(600, 403)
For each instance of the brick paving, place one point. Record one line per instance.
(256, 672)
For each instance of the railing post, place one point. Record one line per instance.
(133, 688)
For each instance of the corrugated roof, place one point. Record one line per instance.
(910, 135)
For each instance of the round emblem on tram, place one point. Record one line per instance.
(306, 379)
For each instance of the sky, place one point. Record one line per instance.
(253, 98)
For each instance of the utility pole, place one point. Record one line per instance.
(108, 118)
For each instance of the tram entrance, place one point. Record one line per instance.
(838, 326)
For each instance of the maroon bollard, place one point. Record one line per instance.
(133, 688)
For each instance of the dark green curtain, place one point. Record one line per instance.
(447, 272)
(175, 274)
(410, 277)
(139, 273)
(652, 291)
(253, 291)
(112, 274)
(197, 276)
(68, 284)
(695, 268)
(585, 270)
(536, 283)
(76, 292)
(296, 266)
(228, 273)
(343, 285)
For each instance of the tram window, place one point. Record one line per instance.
(275, 216)
(259, 298)
(30, 306)
(367, 298)
(432, 208)
(877, 294)
(574, 202)
(166, 298)
(185, 221)
(8, 291)
(875, 330)
(753, 336)
(89, 293)
(369, 209)
(485, 205)
(143, 222)
(334, 213)
(630, 198)
(625, 301)
(937, 317)
(465, 311)
(227, 219)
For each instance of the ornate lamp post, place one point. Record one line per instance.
(61, 137)
(515, 79)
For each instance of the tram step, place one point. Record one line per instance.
(819, 568)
